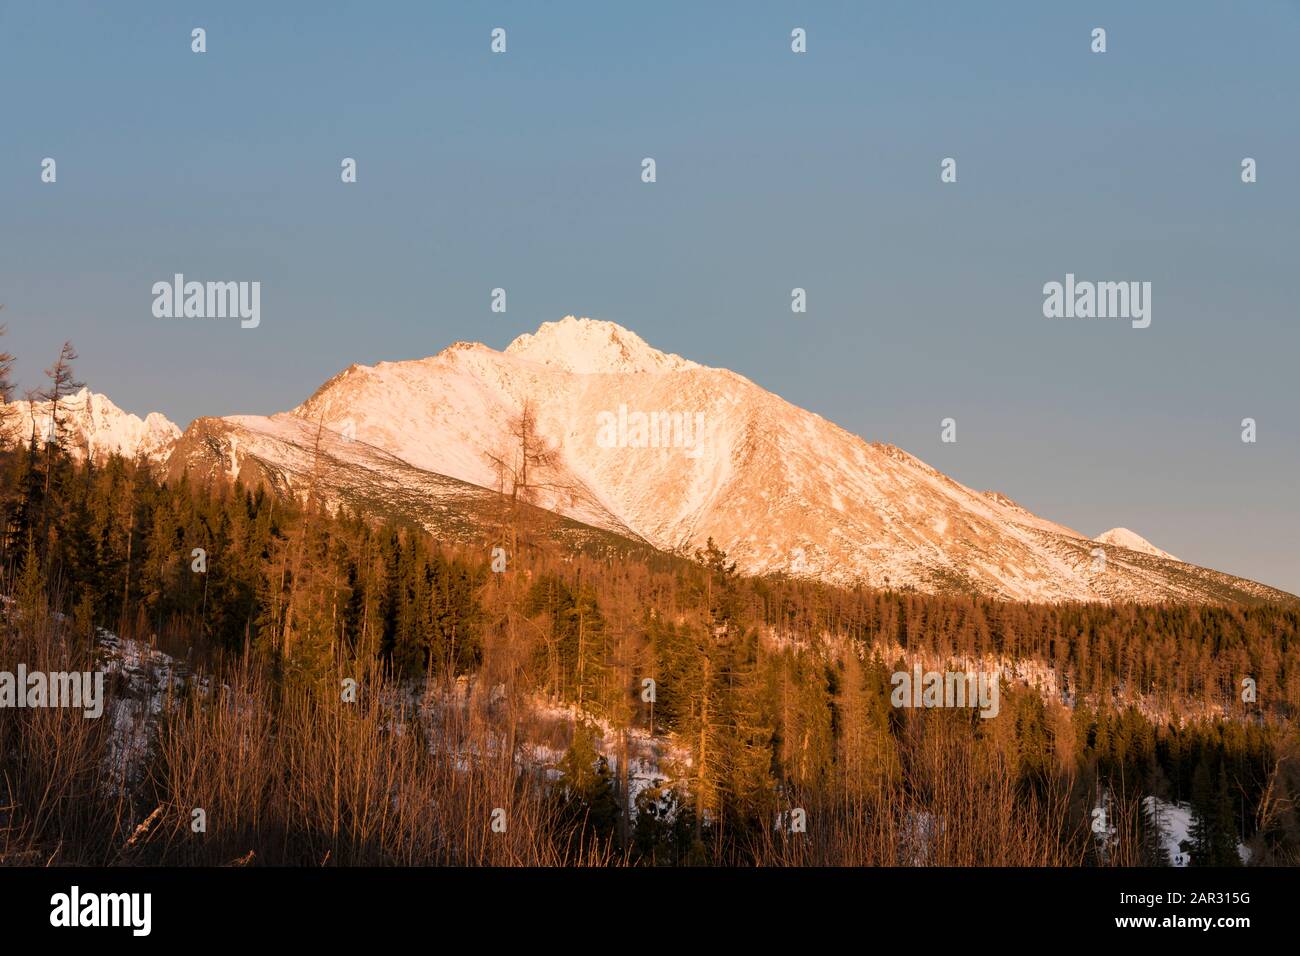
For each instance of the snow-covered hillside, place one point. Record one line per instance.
(290, 455)
(653, 446)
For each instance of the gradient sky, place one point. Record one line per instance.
(774, 170)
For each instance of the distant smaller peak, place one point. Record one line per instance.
(1124, 538)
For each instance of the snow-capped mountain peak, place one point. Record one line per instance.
(93, 426)
(1124, 538)
(657, 449)
(587, 346)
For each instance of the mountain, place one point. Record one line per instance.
(651, 447)
(93, 426)
(1124, 538)
(287, 454)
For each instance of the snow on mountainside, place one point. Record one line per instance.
(655, 447)
(1124, 538)
(288, 455)
(94, 426)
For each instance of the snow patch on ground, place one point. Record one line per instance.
(145, 681)
(1175, 822)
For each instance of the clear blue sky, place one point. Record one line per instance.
(775, 170)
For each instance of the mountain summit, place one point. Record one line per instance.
(660, 450)
(587, 346)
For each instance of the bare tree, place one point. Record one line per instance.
(523, 470)
(62, 384)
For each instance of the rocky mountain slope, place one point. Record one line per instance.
(289, 455)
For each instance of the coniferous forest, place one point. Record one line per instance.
(291, 683)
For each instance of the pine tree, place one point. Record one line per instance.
(1213, 834)
(589, 792)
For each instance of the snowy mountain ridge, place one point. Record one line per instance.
(94, 427)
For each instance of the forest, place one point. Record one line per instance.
(339, 689)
